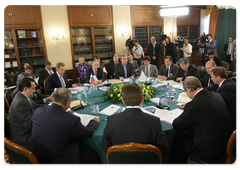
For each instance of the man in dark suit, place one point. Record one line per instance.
(228, 49)
(134, 63)
(56, 133)
(20, 113)
(168, 70)
(95, 71)
(227, 89)
(186, 69)
(58, 79)
(124, 69)
(203, 129)
(169, 49)
(44, 73)
(111, 66)
(206, 80)
(154, 51)
(211, 45)
(133, 125)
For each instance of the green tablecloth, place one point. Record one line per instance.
(95, 141)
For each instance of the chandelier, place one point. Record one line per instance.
(227, 5)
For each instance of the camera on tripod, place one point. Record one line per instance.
(179, 42)
(203, 39)
(129, 43)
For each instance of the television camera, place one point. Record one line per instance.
(202, 40)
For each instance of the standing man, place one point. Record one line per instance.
(154, 52)
(168, 70)
(124, 69)
(187, 49)
(233, 53)
(149, 70)
(170, 49)
(211, 45)
(95, 70)
(137, 52)
(133, 125)
(203, 129)
(228, 49)
(20, 114)
(58, 79)
(56, 133)
(227, 89)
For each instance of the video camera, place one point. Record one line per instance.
(162, 36)
(129, 43)
(203, 39)
(179, 42)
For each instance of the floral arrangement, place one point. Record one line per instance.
(114, 93)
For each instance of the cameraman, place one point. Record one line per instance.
(137, 51)
(187, 49)
(211, 45)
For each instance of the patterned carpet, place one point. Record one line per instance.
(5, 160)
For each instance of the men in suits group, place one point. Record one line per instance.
(148, 69)
(95, 70)
(154, 51)
(58, 79)
(56, 133)
(124, 69)
(168, 70)
(133, 125)
(227, 89)
(203, 129)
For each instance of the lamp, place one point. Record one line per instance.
(58, 37)
(171, 11)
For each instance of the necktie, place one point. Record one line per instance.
(167, 70)
(147, 74)
(154, 49)
(185, 74)
(125, 70)
(61, 80)
(50, 73)
(95, 73)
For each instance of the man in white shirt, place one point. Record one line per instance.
(187, 49)
(137, 52)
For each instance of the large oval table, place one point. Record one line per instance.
(95, 141)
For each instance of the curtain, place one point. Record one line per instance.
(226, 26)
(213, 22)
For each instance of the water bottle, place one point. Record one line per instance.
(167, 94)
(154, 81)
(96, 108)
(79, 96)
(130, 80)
(137, 81)
(163, 100)
(94, 87)
(89, 90)
(122, 108)
(168, 86)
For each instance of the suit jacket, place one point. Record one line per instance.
(206, 117)
(100, 74)
(173, 70)
(205, 80)
(133, 125)
(172, 51)
(212, 46)
(228, 93)
(6, 81)
(20, 114)
(157, 53)
(119, 71)
(56, 134)
(153, 70)
(43, 74)
(111, 69)
(192, 71)
(54, 82)
(135, 66)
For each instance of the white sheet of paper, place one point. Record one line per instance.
(155, 100)
(158, 85)
(75, 90)
(8, 88)
(177, 112)
(126, 80)
(183, 98)
(110, 110)
(103, 88)
(178, 86)
(85, 118)
(171, 82)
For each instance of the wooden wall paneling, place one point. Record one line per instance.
(72, 74)
(16, 48)
(192, 19)
(90, 15)
(19, 16)
(146, 15)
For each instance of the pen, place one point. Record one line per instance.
(104, 119)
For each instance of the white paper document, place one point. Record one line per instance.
(183, 98)
(158, 85)
(85, 118)
(177, 112)
(155, 100)
(110, 110)
(103, 88)
(75, 90)
(142, 78)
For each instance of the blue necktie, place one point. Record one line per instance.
(61, 80)
(125, 70)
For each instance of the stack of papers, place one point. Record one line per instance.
(85, 118)
(158, 85)
(183, 98)
(115, 81)
(76, 90)
(76, 103)
(103, 88)
(110, 110)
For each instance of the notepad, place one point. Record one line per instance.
(183, 98)
(85, 118)
(110, 110)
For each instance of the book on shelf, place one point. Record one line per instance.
(21, 34)
(33, 34)
(23, 43)
(21, 53)
(13, 54)
(11, 45)
(5, 35)
(29, 52)
(7, 64)
(15, 64)
(35, 42)
(7, 56)
(35, 60)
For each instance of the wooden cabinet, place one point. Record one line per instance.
(18, 16)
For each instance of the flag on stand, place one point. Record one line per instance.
(91, 79)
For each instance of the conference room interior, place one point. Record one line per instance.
(63, 32)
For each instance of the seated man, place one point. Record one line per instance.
(124, 69)
(44, 73)
(58, 79)
(134, 63)
(111, 66)
(203, 129)
(133, 125)
(29, 69)
(168, 70)
(186, 69)
(227, 89)
(101, 64)
(206, 80)
(149, 70)
(20, 114)
(95, 71)
(56, 133)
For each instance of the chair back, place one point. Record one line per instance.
(19, 154)
(225, 65)
(45, 85)
(134, 153)
(231, 148)
(8, 97)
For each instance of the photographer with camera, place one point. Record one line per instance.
(187, 49)
(211, 45)
(137, 51)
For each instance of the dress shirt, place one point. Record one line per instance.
(167, 70)
(229, 48)
(61, 79)
(220, 84)
(139, 50)
(188, 48)
(27, 98)
(49, 72)
(125, 69)
(95, 72)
